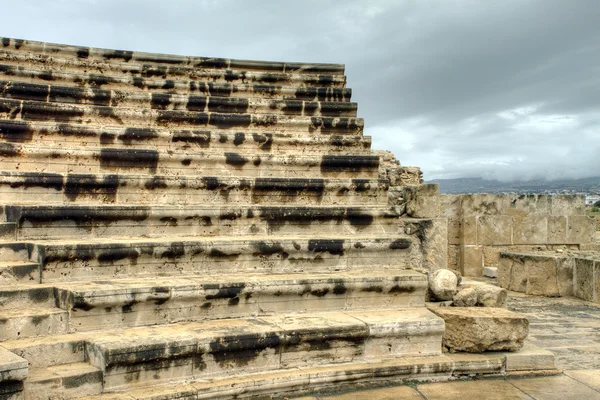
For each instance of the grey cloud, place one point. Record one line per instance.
(443, 84)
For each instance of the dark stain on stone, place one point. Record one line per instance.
(129, 158)
(118, 254)
(196, 103)
(332, 246)
(160, 101)
(119, 54)
(372, 288)
(267, 249)
(265, 140)
(16, 131)
(239, 138)
(169, 84)
(359, 218)
(77, 185)
(241, 349)
(339, 287)
(225, 121)
(83, 53)
(400, 244)
(169, 221)
(107, 138)
(137, 134)
(235, 159)
(201, 138)
(174, 251)
(211, 182)
(38, 319)
(156, 182)
(335, 163)
(399, 289)
(216, 253)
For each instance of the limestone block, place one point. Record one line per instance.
(435, 243)
(541, 276)
(567, 205)
(494, 230)
(422, 201)
(557, 229)
(454, 231)
(12, 367)
(505, 265)
(490, 272)
(475, 329)
(450, 205)
(584, 279)
(528, 204)
(581, 229)
(491, 254)
(443, 283)
(469, 230)
(465, 298)
(472, 260)
(454, 258)
(564, 275)
(484, 204)
(531, 229)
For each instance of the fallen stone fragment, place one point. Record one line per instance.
(465, 298)
(490, 296)
(477, 329)
(442, 284)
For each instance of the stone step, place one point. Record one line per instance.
(18, 272)
(32, 322)
(166, 101)
(65, 381)
(112, 57)
(67, 135)
(79, 260)
(263, 87)
(292, 382)
(99, 305)
(13, 371)
(56, 222)
(109, 160)
(27, 110)
(52, 188)
(221, 348)
(145, 70)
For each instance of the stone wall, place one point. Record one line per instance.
(481, 226)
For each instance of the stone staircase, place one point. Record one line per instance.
(186, 227)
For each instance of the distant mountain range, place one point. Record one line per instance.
(478, 185)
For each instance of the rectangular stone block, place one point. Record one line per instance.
(584, 279)
(557, 229)
(454, 231)
(581, 229)
(568, 205)
(468, 230)
(472, 260)
(494, 230)
(530, 229)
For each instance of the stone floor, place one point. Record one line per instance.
(570, 328)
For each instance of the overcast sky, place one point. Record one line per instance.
(495, 89)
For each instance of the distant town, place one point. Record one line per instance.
(588, 187)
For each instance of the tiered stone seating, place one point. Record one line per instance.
(205, 227)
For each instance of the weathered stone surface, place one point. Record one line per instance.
(475, 329)
(442, 284)
(465, 298)
(490, 296)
